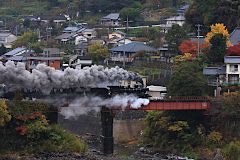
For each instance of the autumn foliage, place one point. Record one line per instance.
(189, 46)
(233, 50)
(216, 29)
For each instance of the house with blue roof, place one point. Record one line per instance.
(127, 52)
(235, 36)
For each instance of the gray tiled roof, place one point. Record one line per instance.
(4, 34)
(235, 36)
(15, 51)
(17, 58)
(214, 71)
(112, 16)
(176, 18)
(232, 59)
(72, 29)
(195, 39)
(65, 36)
(133, 48)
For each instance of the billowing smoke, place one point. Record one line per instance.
(45, 78)
(83, 105)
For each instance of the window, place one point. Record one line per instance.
(234, 68)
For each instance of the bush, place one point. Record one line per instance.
(29, 131)
(4, 113)
(232, 151)
(215, 138)
(21, 108)
(58, 140)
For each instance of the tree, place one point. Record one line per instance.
(130, 13)
(218, 37)
(216, 29)
(27, 23)
(25, 39)
(218, 49)
(188, 46)
(174, 38)
(187, 80)
(4, 113)
(3, 49)
(98, 52)
(208, 12)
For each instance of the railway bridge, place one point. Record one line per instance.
(173, 103)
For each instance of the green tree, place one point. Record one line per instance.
(209, 12)
(187, 80)
(98, 52)
(4, 113)
(174, 38)
(25, 39)
(218, 49)
(130, 13)
(27, 23)
(3, 49)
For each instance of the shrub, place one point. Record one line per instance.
(21, 108)
(58, 140)
(4, 113)
(214, 138)
(232, 151)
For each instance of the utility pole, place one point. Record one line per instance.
(127, 23)
(124, 53)
(198, 36)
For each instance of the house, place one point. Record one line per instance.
(157, 92)
(89, 33)
(118, 42)
(182, 10)
(126, 52)
(232, 69)
(112, 19)
(67, 38)
(50, 56)
(235, 36)
(116, 34)
(7, 39)
(77, 61)
(230, 72)
(71, 29)
(61, 19)
(15, 52)
(80, 38)
(81, 48)
(180, 20)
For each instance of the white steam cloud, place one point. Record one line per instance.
(85, 104)
(45, 79)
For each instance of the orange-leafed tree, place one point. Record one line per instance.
(189, 46)
(217, 29)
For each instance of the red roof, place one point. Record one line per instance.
(233, 50)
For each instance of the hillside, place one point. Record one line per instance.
(14, 8)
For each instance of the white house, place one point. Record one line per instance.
(7, 39)
(157, 92)
(232, 69)
(116, 34)
(180, 20)
(79, 39)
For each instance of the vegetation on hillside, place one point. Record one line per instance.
(25, 128)
(209, 12)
